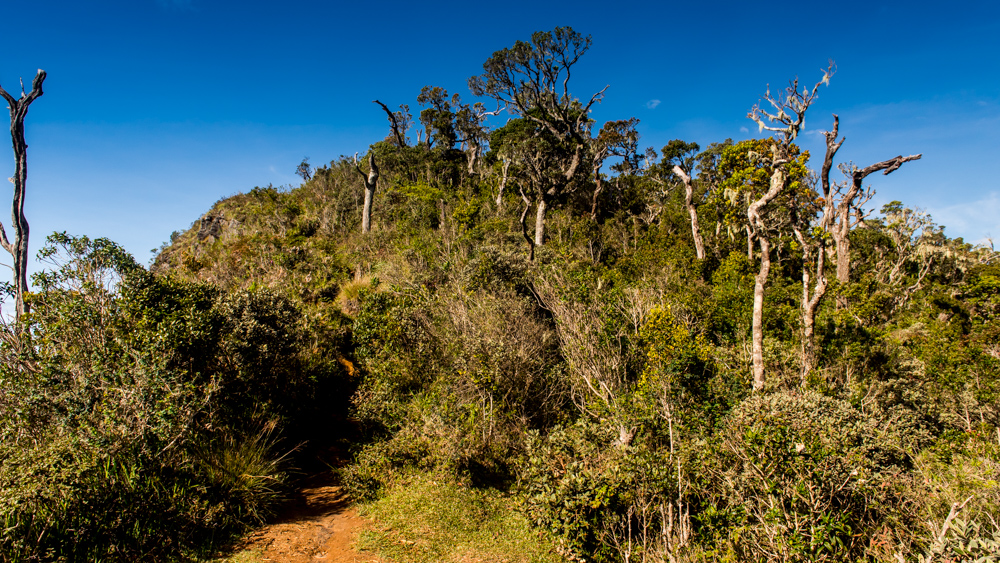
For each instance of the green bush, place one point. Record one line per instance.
(603, 501)
(799, 476)
(124, 427)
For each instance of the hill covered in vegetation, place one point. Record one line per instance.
(685, 354)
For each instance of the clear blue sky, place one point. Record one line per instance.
(155, 109)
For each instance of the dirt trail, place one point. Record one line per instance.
(317, 525)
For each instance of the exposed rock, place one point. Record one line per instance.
(211, 226)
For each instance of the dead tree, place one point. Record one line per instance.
(400, 122)
(19, 248)
(370, 180)
(814, 282)
(790, 114)
(847, 205)
(699, 245)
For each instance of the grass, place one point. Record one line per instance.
(245, 556)
(422, 519)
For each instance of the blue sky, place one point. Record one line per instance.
(155, 109)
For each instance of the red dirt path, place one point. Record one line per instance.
(317, 526)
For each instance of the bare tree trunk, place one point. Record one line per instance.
(699, 246)
(19, 248)
(757, 227)
(503, 183)
(540, 222)
(370, 180)
(597, 194)
(815, 249)
(843, 255)
(810, 304)
(366, 212)
(398, 129)
(473, 157)
(757, 353)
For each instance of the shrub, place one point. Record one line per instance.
(125, 436)
(603, 501)
(799, 476)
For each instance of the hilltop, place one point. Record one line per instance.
(543, 335)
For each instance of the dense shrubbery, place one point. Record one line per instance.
(606, 383)
(141, 414)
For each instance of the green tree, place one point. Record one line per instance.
(681, 157)
(616, 139)
(448, 121)
(764, 183)
(532, 81)
(438, 118)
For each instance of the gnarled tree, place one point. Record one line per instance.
(399, 121)
(370, 180)
(839, 212)
(848, 206)
(532, 81)
(681, 156)
(814, 282)
(616, 139)
(19, 247)
(789, 110)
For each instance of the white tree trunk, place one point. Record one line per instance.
(757, 353)
(540, 222)
(699, 246)
(503, 183)
(366, 212)
(370, 180)
(756, 223)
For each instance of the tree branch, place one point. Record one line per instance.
(889, 166)
(4, 242)
(394, 122)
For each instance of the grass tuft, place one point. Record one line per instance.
(248, 469)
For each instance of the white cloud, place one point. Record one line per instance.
(744, 130)
(973, 221)
(651, 104)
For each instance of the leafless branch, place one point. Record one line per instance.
(394, 122)
(790, 107)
